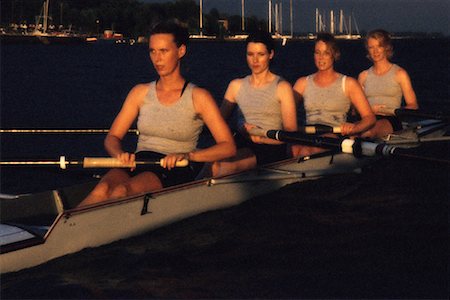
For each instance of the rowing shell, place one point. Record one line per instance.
(40, 227)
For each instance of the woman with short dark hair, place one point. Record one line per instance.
(266, 101)
(170, 114)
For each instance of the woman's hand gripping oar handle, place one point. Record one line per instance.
(109, 162)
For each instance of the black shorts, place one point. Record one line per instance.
(393, 120)
(171, 177)
(264, 153)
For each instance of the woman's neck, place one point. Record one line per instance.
(382, 67)
(261, 79)
(324, 78)
(171, 82)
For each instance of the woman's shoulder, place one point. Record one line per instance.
(283, 84)
(138, 93)
(303, 79)
(141, 87)
(363, 75)
(300, 84)
(349, 80)
(236, 83)
(399, 71)
(199, 91)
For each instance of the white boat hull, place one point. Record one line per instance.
(93, 226)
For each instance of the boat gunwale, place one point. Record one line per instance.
(199, 182)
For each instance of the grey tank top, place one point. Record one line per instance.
(383, 89)
(168, 129)
(326, 105)
(260, 105)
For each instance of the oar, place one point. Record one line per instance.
(422, 114)
(90, 162)
(61, 131)
(357, 147)
(417, 113)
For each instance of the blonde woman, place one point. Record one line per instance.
(385, 84)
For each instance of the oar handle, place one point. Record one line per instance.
(109, 162)
(319, 129)
(258, 131)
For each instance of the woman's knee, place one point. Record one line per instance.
(215, 168)
(101, 190)
(143, 182)
(119, 191)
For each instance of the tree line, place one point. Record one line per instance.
(129, 17)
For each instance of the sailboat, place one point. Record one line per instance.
(344, 31)
(41, 33)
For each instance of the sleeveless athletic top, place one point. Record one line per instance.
(260, 105)
(383, 89)
(168, 129)
(326, 105)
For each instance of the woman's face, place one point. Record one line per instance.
(258, 57)
(165, 54)
(323, 56)
(376, 50)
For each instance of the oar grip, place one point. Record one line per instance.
(180, 163)
(258, 131)
(109, 162)
(337, 129)
(105, 162)
(319, 129)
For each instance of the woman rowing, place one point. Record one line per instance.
(327, 95)
(170, 114)
(384, 84)
(265, 100)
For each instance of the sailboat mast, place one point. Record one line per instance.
(280, 16)
(45, 16)
(243, 16)
(270, 16)
(277, 29)
(331, 21)
(317, 20)
(201, 18)
(292, 19)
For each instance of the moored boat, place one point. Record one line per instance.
(39, 227)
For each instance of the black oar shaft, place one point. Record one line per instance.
(311, 140)
(356, 147)
(404, 112)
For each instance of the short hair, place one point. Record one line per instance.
(261, 36)
(331, 42)
(179, 32)
(384, 38)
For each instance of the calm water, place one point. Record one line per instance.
(381, 234)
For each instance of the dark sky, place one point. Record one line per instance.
(392, 15)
